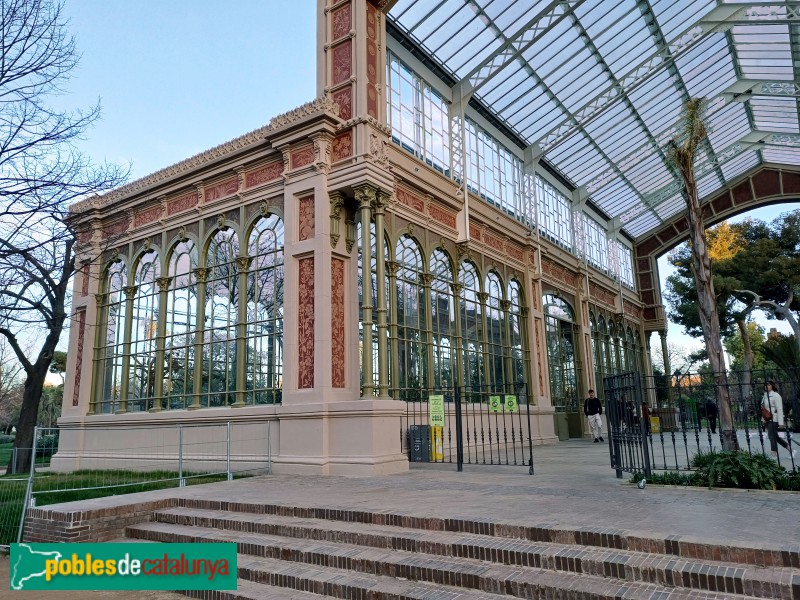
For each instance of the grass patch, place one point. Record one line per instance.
(56, 488)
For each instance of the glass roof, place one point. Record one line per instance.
(598, 86)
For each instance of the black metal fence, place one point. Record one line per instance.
(663, 422)
(470, 425)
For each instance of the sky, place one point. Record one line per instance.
(177, 77)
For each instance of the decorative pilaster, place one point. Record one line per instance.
(337, 202)
(394, 341)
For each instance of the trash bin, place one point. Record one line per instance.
(561, 426)
(575, 424)
(419, 443)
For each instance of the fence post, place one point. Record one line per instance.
(459, 431)
(29, 487)
(228, 452)
(181, 480)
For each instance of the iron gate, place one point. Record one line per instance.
(627, 427)
(469, 425)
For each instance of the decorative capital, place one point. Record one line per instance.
(350, 230)
(427, 279)
(337, 202)
(201, 273)
(462, 248)
(243, 263)
(483, 297)
(457, 288)
(393, 266)
(182, 233)
(130, 291)
(163, 283)
(505, 305)
(221, 221)
(523, 311)
(365, 195)
(382, 201)
(146, 244)
(100, 299)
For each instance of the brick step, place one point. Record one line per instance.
(622, 564)
(250, 590)
(772, 555)
(463, 573)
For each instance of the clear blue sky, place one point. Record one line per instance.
(176, 77)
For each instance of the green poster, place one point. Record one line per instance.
(495, 404)
(511, 404)
(436, 411)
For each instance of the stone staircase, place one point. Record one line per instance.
(305, 553)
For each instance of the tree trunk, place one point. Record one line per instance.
(707, 306)
(747, 374)
(783, 311)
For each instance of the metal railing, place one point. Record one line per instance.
(479, 425)
(130, 458)
(663, 422)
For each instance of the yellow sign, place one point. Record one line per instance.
(511, 404)
(437, 443)
(495, 404)
(655, 425)
(436, 411)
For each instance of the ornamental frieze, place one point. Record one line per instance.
(409, 199)
(441, 215)
(182, 203)
(342, 146)
(632, 311)
(601, 294)
(559, 273)
(116, 228)
(148, 215)
(223, 189)
(302, 157)
(264, 174)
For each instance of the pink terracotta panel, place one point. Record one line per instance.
(305, 324)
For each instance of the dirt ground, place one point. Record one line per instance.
(5, 591)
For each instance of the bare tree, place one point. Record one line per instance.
(41, 173)
(682, 154)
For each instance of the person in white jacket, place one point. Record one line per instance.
(773, 402)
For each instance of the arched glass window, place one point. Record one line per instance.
(561, 353)
(410, 319)
(144, 333)
(471, 326)
(443, 321)
(181, 320)
(373, 345)
(495, 332)
(221, 302)
(613, 348)
(516, 334)
(630, 352)
(113, 314)
(264, 324)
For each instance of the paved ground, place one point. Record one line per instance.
(573, 486)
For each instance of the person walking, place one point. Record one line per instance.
(772, 414)
(593, 408)
(711, 414)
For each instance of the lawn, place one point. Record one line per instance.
(5, 453)
(83, 485)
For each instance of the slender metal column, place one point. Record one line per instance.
(365, 195)
(161, 334)
(508, 366)
(200, 275)
(130, 294)
(380, 275)
(242, 266)
(459, 378)
(98, 375)
(394, 334)
(430, 380)
(487, 372)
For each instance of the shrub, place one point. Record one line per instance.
(6, 439)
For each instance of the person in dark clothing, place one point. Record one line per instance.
(593, 408)
(646, 417)
(711, 414)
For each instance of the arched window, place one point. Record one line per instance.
(410, 319)
(471, 326)
(516, 334)
(631, 351)
(371, 276)
(144, 333)
(111, 349)
(561, 353)
(495, 332)
(443, 321)
(181, 325)
(613, 348)
(264, 342)
(221, 302)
